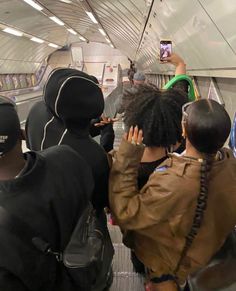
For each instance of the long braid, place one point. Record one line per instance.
(200, 208)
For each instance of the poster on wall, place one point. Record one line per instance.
(16, 82)
(28, 80)
(33, 80)
(9, 82)
(3, 82)
(1, 85)
(23, 80)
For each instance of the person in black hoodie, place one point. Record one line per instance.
(44, 192)
(71, 100)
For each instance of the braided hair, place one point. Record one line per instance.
(207, 127)
(157, 112)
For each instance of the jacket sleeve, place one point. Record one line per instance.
(181, 85)
(8, 282)
(134, 209)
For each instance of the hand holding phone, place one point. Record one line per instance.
(165, 49)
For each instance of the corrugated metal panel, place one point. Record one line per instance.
(123, 20)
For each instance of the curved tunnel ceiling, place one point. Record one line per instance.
(199, 30)
(121, 20)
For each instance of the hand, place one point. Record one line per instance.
(174, 59)
(134, 136)
(105, 120)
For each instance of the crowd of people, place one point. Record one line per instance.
(170, 186)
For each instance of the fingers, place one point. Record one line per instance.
(99, 124)
(130, 134)
(140, 137)
(134, 136)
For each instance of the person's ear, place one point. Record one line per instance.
(183, 130)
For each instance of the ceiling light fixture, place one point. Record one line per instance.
(13, 31)
(108, 40)
(102, 31)
(57, 20)
(82, 38)
(53, 45)
(72, 31)
(66, 1)
(91, 16)
(35, 39)
(111, 45)
(34, 5)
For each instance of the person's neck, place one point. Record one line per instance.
(152, 154)
(192, 152)
(10, 166)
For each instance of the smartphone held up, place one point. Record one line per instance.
(165, 49)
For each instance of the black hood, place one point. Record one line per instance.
(73, 95)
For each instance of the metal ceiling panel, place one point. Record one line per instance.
(75, 17)
(23, 17)
(223, 15)
(123, 20)
(21, 52)
(193, 33)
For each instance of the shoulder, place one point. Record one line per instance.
(58, 151)
(64, 156)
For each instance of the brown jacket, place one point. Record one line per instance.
(161, 214)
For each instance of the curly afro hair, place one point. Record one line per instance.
(157, 112)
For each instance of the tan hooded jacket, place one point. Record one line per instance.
(161, 214)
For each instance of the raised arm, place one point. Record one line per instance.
(134, 209)
(180, 69)
(178, 62)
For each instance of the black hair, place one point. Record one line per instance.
(207, 127)
(157, 112)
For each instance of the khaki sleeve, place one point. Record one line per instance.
(134, 209)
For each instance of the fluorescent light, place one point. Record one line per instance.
(53, 45)
(91, 16)
(37, 40)
(102, 31)
(108, 40)
(82, 38)
(71, 31)
(34, 5)
(13, 31)
(66, 1)
(111, 45)
(57, 20)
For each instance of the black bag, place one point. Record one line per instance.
(84, 254)
(88, 255)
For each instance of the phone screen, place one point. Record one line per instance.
(165, 48)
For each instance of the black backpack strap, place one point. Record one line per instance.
(22, 230)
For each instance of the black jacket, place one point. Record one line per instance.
(71, 100)
(49, 196)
